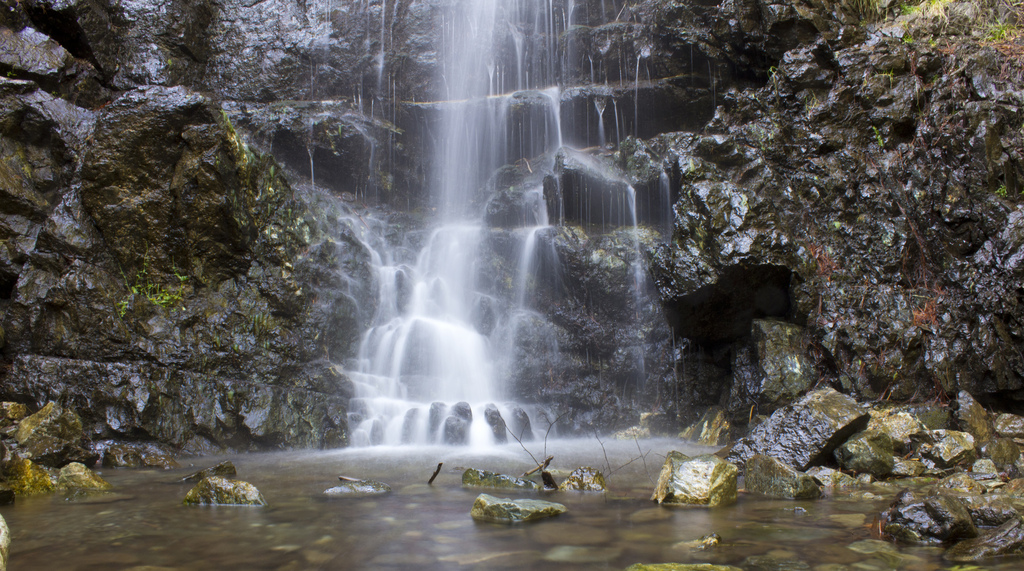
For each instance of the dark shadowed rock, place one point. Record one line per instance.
(768, 476)
(138, 455)
(804, 433)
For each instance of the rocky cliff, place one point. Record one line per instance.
(843, 180)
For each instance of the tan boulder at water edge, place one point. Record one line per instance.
(704, 480)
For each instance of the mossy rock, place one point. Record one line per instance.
(75, 476)
(680, 567)
(26, 478)
(703, 480)
(218, 491)
(504, 510)
(584, 479)
(484, 479)
(358, 488)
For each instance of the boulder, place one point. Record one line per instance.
(907, 468)
(704, 480)
(26, 478)
(358, 488)
(935, 519)
(944, 449)
(983, 467)
(484, 479)
(899, 424)
(225, 468)
(972, 418)
(960, 482)
(138, 455)
(520, 426)
(53, 437)
(456, 426)
(1009, 425)
(1007, 539)
(76, 476)
(806, 432)
(218, 491)
(712, 429)
(768, 476)
(1002, 451)
(868, 451)
(831, 478)
(504, 510)
(584, 479)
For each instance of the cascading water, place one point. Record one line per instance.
(431, 367)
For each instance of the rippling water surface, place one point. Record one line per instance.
(143, 525)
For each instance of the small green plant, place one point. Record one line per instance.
(878, 137)
(155, 293)
(1001, 32)
(1001, 191)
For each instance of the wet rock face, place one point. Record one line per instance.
(869, 452)
(935, 519)
(504, 510)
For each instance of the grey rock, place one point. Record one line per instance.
(868, 451)
(768, 476)
(702, 480)
(504, 510)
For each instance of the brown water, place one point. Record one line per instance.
(143, 525)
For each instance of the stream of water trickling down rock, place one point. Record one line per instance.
(435, 365)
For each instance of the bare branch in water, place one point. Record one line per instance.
(540, 466)
(436, 472)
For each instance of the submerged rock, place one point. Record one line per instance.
(806, 432)
(76, 476)
(484, 479)
(868, 451)
(1007, 539)
(504, 510)
(225, 468)
(712, 429)
(768, 476)
(358, 488)
(218, 491)
(583, 479)
(704, 480)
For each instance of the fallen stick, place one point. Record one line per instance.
(436, 472)
(540, 467)
(347, 479)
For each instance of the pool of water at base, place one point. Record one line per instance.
(142, 524)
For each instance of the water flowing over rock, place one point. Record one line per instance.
(504, 510)
(804, 433)
(219, 491)
(703, 480)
